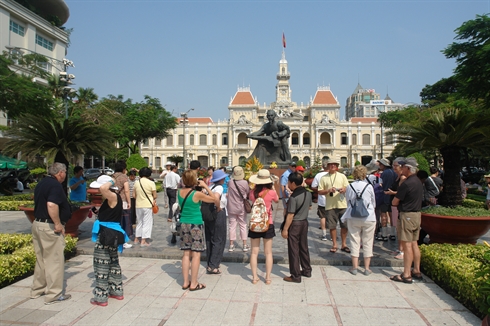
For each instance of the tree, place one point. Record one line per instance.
(451, 132)
(472, 56)
(57, 138)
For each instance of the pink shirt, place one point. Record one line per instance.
(268, 199)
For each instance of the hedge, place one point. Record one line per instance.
(454, 268)
(17, 256)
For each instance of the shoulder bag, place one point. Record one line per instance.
(153, 207)
(175, 227)
(246, 202)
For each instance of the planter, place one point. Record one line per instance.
(95, 196)
(455, 229)
(71, 227)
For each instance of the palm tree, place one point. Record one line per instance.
(58, 138)
(451, 132)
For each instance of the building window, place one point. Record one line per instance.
(343, 162)
(242, 160)
(325, 158)
(354, 139)
(378, 139)
(343, 138)
(181, 140)
(158, 142)
(170, 140)
(224, 139)
(191, 140)
(242, 139)
(389, 139)
(215, 140)
(145, 143)
(17, 29)
(307, 161)
(325, 138)
(224, 161)
(295, 159)
(203, 140)
(146, 160)
(158, 162)
(366, 139)
(294, 139)
(306, 138)
(44, 42)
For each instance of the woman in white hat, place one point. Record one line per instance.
(264, 188)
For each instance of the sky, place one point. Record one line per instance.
(195, 54)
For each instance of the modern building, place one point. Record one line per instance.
(366, 103)
(37, 29)
(316, 130)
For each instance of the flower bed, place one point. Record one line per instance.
(17, 256)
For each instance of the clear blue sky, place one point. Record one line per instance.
(194, 54)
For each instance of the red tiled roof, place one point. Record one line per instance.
(243, 98)
(197, 120)
(364, 120)
(324, 97)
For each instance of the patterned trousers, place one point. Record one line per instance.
(108, 274)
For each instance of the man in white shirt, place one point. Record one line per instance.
(162, 176)
(321, 200)
(20, 186)
(172, 179)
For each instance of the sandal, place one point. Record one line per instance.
(417, 276)
(402, 279)
(186, 287)
(268, 282)
(333, 250)
(198, 287)
(346, 249)
(212, 271)
(255, 281)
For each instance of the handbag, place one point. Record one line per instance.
(110, 237)
(154, 208)
(246, 202)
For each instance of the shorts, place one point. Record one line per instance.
(192, 237)
(269, 234)
(409, 226)
(333, 217)
(321, 212)
(384, 208)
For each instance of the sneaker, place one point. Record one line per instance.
(231, 249)
(62, 297)
(97, 303)
(399, 256)
(117, 297)
(246, 248)
(324, 237)
(127, 246)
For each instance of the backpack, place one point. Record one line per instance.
(259, 221)
(359, 209)
(209, 211)
(378, 191)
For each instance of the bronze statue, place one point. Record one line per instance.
(272, 140)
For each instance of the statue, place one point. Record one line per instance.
(272, 140)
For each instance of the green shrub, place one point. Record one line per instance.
(421, 161)
(454, 268)
(17, 256)
(159, 186)
(136, 161)
(17, 197)
(301, 163)
(476, 197)
(13, 205)
(457, 211)
(471, 203)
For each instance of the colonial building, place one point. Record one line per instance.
(316, 130)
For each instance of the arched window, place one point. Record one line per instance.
(224, 139)
(242, 139)
(307, 161)
(366, 139)
(181, 140)
(325, 158)
(306, 138)
(354, 139)
(215, 140)
(325, 138)
(343, 139)
(191, 140)
(242, 160)
(224, 161)
(378, 139)
(295, 159)
(203, 141)
(170, 140)
(294, 138)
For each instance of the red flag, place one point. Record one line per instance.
(283, 40)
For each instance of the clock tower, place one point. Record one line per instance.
(283, 91)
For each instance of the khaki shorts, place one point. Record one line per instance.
(409, 226)
(333, 217)
(321, 212)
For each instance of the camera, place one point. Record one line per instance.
(197, 187)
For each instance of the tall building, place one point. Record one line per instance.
(316, 130)
(366, 103)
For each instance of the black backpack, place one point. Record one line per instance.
(209, 211)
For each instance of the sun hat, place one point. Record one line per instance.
(218, 175)
(410, 161)
(238, 173)
(262, 177)
(299, 168)
(332, 161)
(385, 162)
(486, 176)
(371, 167)
(103, 179)
(169, 163)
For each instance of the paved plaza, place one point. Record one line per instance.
(153, 294)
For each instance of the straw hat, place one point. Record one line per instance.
(263, 177)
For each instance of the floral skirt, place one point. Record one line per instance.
(192, 237)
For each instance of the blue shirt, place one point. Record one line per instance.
(80, 193)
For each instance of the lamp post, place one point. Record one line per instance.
(64, 78)
(184, 122)
(381, 124)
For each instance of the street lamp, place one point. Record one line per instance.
(381, 123)
(64, 78)
(184, 122)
